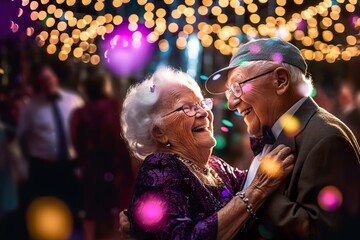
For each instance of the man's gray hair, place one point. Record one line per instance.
(140, 112)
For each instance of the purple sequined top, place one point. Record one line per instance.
(170, 202)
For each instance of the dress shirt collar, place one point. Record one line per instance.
(277, 127)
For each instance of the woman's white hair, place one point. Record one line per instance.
(139, 112)
(303, 83)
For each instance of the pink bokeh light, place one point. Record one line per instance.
(277, 57)
(255, 48)
(247, 87)
(330, 198)
(150, 211)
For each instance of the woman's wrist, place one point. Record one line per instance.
(249, 206)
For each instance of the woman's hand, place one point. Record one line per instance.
(124, 228)
(273, 169)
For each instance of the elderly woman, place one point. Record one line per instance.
(182, 191)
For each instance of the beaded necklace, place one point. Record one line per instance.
(205, 171)
(217, 204)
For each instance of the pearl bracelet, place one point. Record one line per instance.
(249, 206)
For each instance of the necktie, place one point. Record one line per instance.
(60, 130)
(257, 144)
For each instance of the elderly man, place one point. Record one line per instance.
(265, 82)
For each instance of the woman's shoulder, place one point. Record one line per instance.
(158, 168)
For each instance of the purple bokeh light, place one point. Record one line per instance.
(127, 51)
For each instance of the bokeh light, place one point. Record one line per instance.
(330, 198)
(291, 125)
(126, 51)
(270, 166)
(49, 218)
(150, 211)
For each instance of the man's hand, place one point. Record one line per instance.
(124, 228)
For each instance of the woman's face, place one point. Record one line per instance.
(184, 132)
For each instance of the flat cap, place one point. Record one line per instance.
(269, 49)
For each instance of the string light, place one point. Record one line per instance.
(315, 28)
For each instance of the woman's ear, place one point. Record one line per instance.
(159, 135)
(282, 81)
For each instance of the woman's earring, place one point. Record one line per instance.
(168, 144)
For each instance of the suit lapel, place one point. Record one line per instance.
(303, 114)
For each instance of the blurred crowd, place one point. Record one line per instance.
(62, 147)
(63, 163)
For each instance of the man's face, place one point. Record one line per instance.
(258, 102)
(48, 81)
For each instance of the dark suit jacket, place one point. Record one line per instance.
(327, 155)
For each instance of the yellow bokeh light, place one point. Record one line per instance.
(95, 59)
(164, 45)
(85, 58)
(44, 2)
(50, 22)
(173, 27)
(87, 19)
(149, 7)
(290, 124)
(133, 18)
(254, 18)
(351, 40)
(318, 56)
(240, 10)
(281, 2)
(78, 52)
(58, 13)
(339, 27)
(117, 3)
(51, 9)
(42, 15)
(54, 39)
(34, 5)
(327, 35)
(270, 166)
(181, 43)
(72, 22)
(49, 218)
(252, 7)
(188, 29)
(70, 2)
(68, 15)
(216, 10)
(61, 26)
(346, 56)
(85, 2)
(222, 18)
(202, 10)
(207, 40)
(99, 6)
(280, 11)
(117, 20)
(141, 2)
(350, 7)
(92, 48)
(63, 55)
(160, 12)
(84, 45)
